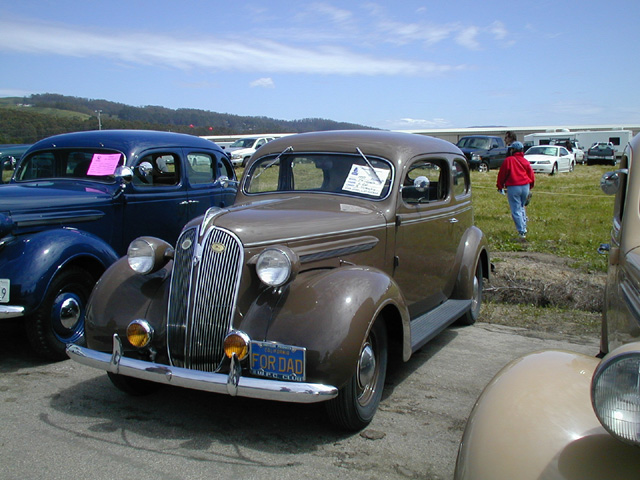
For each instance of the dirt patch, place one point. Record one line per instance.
(544, 280)
(544, 293)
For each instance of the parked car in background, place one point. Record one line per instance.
(242, 149)
(75, 203)
(572, 146)
(9, 156)
(550, 159)
(564, 415)
(343, 249)
(483, 152)
(601, 153)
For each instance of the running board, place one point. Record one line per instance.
(427, 326)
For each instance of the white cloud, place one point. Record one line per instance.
(468, 38)
(249, 55)
(416, 124)
(263, 83)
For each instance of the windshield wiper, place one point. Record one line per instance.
(375, 175)
(273, 162)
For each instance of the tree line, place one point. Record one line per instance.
(29, 119)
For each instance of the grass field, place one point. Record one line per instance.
(568, 216)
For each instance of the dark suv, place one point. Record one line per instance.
(74, 204)
(483, 152)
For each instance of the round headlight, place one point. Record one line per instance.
(615, 394)
(236, 342)
(139, 333)
(275, 266)
(141, 256)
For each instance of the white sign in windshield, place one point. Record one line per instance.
(361, 179)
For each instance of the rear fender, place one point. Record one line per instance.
(330, 313)
(31, 261)
(473, 249)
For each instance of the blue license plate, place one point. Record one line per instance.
(273, 360)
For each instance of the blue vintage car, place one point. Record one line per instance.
(74, 204)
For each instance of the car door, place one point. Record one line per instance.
(425, 250)
(203, 172)
(156, 200)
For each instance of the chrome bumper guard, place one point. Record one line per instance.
(233, 384)
(7, 311)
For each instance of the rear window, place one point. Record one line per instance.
(99, 166)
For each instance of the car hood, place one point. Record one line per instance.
(297, 220)
(538, 158)
(40, 197)
(243, 151)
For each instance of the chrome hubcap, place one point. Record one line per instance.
(69, 312)
(366, 367)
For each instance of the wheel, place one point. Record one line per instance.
(554, 169)
(483, 167)
(60, 318)
(133, 386)
(357, 402)
(471, 316)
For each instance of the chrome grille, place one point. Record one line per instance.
(204, 287)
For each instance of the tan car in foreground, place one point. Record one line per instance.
(560, 414)
(342, 249)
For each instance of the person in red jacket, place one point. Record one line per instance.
(517, 177)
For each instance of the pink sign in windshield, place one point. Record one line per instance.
(103, 164)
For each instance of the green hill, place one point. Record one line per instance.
(28, 119)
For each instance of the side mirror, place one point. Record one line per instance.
(610, 181)
(145, 169)
(224, 182)
(124, 173)
(421, 183)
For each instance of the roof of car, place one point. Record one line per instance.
(390, 145)
(123, 140)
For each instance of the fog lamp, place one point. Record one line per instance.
(237, 342)
(615, 394)
(139, 333)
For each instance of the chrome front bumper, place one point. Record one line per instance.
(7, 311)
(232, 384)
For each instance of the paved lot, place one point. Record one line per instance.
(66, 421)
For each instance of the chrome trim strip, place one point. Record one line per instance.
(337, 252)
(7, 311)
(319, 235)
(249, 387)
(30, 220)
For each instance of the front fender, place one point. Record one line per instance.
(122, 295)
(329, 313)
(535, 420)
(31, 261)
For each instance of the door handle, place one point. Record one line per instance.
(453, 220)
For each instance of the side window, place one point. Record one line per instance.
(225, 169)
(157, 169)
(461, 181)
(41, 165)
(200, 168)
(425, 181)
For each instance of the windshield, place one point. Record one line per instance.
(552, 151)
(474, 142)
(243, 143)
(320, 173)
(99, 166)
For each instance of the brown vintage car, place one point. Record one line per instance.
(343, 248)
(561, 414)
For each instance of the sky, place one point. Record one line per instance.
(404, 65)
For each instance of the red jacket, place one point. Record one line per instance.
(515, 170)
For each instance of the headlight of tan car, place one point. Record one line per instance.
(148, 254)
(277, 265)
(615, 395)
